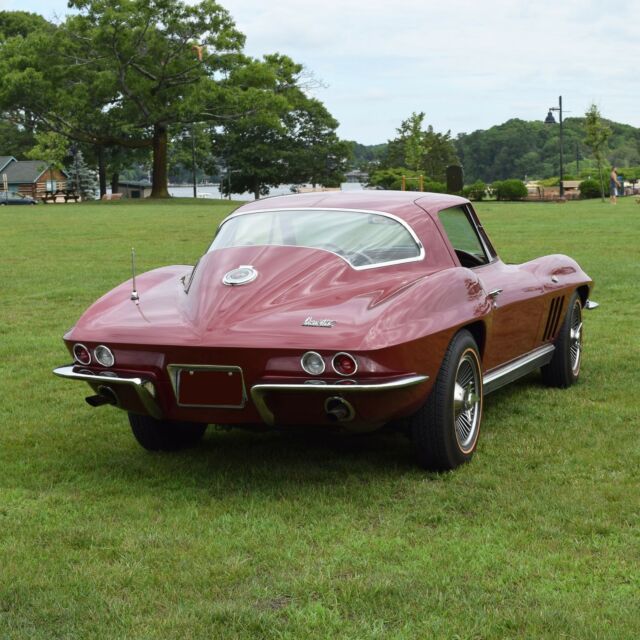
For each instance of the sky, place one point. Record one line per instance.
(467, 64)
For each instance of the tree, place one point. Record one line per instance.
(596, 135)
(122, 72)
(82, 178)
(285, 135)
(52, 149)
(20, 24)
(16, 139)
(422, 150)
(17, 133)
(189, 144)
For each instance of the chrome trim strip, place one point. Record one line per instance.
(174, 370)
(517, 368)
(259, 391)
(369, 211)
(138, 385)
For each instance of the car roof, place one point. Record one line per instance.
(405, 204)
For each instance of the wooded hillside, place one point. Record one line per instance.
(519, 149)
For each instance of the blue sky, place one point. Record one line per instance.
(467, 64)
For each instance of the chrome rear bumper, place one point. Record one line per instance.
(259, 391)
(143, 388)
(140, 386)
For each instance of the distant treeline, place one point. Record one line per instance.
(525, 150)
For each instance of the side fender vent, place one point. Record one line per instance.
(553, 320)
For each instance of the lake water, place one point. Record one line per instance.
(212, 191)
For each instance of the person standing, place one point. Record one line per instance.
(614, 183)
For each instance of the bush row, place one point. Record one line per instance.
(507, 190)
(516, 189)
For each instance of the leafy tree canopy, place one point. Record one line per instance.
(519, 149)
(20, 24)
(420, 149)
(285, 135)
(121, 72)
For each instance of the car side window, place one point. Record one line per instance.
(463, 237)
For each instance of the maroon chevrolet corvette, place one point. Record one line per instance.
(352, 310)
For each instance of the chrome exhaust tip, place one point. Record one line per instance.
(339, 410)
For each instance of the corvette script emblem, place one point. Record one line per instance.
(310, 322)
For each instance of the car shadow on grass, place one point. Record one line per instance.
(239, 460)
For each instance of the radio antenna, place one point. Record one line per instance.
(134, 293)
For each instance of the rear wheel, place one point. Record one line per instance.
(445, 430)
(564, 368)
(165, 435)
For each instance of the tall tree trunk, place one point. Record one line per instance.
(102, 171)
(115, 182)
(159, 175)
(601, 179)
(256, 189)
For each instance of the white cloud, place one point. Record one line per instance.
(467, 64)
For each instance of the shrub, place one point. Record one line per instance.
(435, 187)
(512, 189)
(392, 179)
(475, 191)
(590, 188)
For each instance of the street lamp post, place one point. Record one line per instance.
(551, 120)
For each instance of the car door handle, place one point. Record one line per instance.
(493, 295)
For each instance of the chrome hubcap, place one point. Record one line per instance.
(467, 402)
(575, 338)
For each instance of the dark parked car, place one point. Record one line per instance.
(13, 197)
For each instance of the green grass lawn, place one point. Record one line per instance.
(291, 536)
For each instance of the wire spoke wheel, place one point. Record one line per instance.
(575, 338)
(445, 430)
(564, 368)
(466, 402)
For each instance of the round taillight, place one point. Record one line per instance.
(312, 363)
(104, 356)
(81, 354)
(344, 364)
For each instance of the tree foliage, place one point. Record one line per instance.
(122, 72)
(421, 150)
(139, 74)
(81, 177)
(522, 149)
(51, 148)
(285, 136)
(17, 140)
(597, 133)
(392, 178)
(20, 24)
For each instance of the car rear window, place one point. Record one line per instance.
(364, 239)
